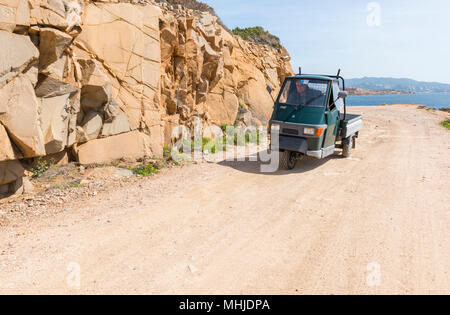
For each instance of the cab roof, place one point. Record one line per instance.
(313, 77)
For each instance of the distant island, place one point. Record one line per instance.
(358, 91)
(395, 86)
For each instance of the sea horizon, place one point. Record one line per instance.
(432, 100)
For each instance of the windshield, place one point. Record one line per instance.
(304, 92)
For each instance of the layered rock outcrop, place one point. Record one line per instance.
(208, 72)
(105, 80)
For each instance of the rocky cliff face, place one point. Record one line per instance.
(106, 80)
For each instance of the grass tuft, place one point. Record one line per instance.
(42, 166)
(146, 170)
(71, 185)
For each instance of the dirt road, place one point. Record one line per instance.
(378, 222)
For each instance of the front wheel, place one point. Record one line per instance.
(288, 160)
(347, 146)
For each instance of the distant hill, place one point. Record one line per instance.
(407, 85)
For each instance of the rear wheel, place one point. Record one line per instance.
(347, 146)
(288, 160)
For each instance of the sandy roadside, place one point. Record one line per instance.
(377, 222)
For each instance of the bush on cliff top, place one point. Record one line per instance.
(195, 5)
(191, 4)
(258, 35)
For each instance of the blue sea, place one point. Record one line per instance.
(433, 100)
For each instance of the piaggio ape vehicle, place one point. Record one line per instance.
(310, 116)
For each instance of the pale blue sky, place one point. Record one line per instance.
(413, 39)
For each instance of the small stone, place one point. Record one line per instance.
(122, 172)
(27, 186)
(192, 269)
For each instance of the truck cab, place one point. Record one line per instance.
(310, 118)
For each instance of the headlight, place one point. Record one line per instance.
(309, 131)
(275, 127)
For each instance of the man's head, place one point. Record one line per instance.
(302, 86)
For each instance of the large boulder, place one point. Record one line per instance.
(222, 108)
(10, 171)
(19, 113)
(54, 122)
(127, 146)
(74, 113)
(51, 87)
(92, 126)
(7, 151)
(254, 94)
(59, 105)
(119, 124)
(16, 55)
(96, 90)
(52, 44)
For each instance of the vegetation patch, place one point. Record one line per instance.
(166, 150)
(71, 185)
(258, 35)
(446, 124)
(232, 136)
(238, 136)
(41, 167)
(206, 144)
(195, 5)
(146, 170)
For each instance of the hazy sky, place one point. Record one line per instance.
(406, 39)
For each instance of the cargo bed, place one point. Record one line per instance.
(351, 125)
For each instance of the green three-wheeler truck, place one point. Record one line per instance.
(310, 117)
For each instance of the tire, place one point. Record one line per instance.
(288, 160)
(347, 146)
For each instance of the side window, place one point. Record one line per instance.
(339, 103)
(331, 104)
(285, 93)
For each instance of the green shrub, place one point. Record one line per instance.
(217, 145)
(446, 124)
(41, 167)
(196, 5)
(258, 35)
(238, 139)
(146, 169)
(206, 144)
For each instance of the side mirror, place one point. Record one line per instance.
(343, 94)
(269, 89)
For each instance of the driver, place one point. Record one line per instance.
(302, 94)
